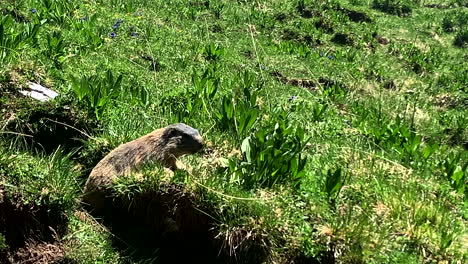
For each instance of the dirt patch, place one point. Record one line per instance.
(390, 85)
(154, 65)
(325, 25)
(289, 34)
(355, 16)
(328, 83)
(461, 39)
(305, 11)
(449, 101)
(16, 14)
(30, 231)
(173, 220)
(216, 28)
(39, 253)
(312, 85)
(456, 137)
(305, 83)
(280, 17)
(343, 39)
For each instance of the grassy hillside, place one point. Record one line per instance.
(336, 131)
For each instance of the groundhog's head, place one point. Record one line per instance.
(183, 139)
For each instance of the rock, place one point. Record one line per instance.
(39, 92)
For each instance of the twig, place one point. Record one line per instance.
(15, 133)
(82, 132)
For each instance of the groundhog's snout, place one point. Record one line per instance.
(199, 143)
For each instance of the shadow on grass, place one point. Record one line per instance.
(168, 226)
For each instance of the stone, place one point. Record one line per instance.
(39, 92)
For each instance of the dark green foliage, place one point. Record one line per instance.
(14, 37)
(272, 156)
(89, 31)
(334, 181)
(334, 91)
(394, 7)
(3, 244)
(461, 39)
(455, 21)
(455, 168)
(318, 112)
(342, 39)
(56, 11)
(96, 92)
(238, 110)
(217, 9)
(213, 52)
(395, 136)
(420, 61)
(55, 48)
(291, 47)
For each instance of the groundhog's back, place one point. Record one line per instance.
(124, 159)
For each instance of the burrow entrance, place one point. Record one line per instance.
(173, 226)
(30, 233)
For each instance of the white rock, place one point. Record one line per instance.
(39, 92)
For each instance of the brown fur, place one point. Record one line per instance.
(163, 145)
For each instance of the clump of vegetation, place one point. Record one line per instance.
(14, 37)
(272, 156)
(395, 7)
(461, 39)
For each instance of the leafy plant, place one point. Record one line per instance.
(213, 52)
(272, 156)
(294, 48)
(13, 38)
(334, 91)
(95, 92)
(454, 168)
(139, 94)
(238, 110)
(334, 181)
(3, 244)
(318, 112)
(217, 9)
(57, 11)
(89, 31)
(395, 135)
(55, 48)
(420, 61)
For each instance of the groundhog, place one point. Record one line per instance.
(163, 145)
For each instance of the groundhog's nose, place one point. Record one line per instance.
(200, 142)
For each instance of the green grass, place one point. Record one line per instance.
(322, 142)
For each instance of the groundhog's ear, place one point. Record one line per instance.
(172, 132)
